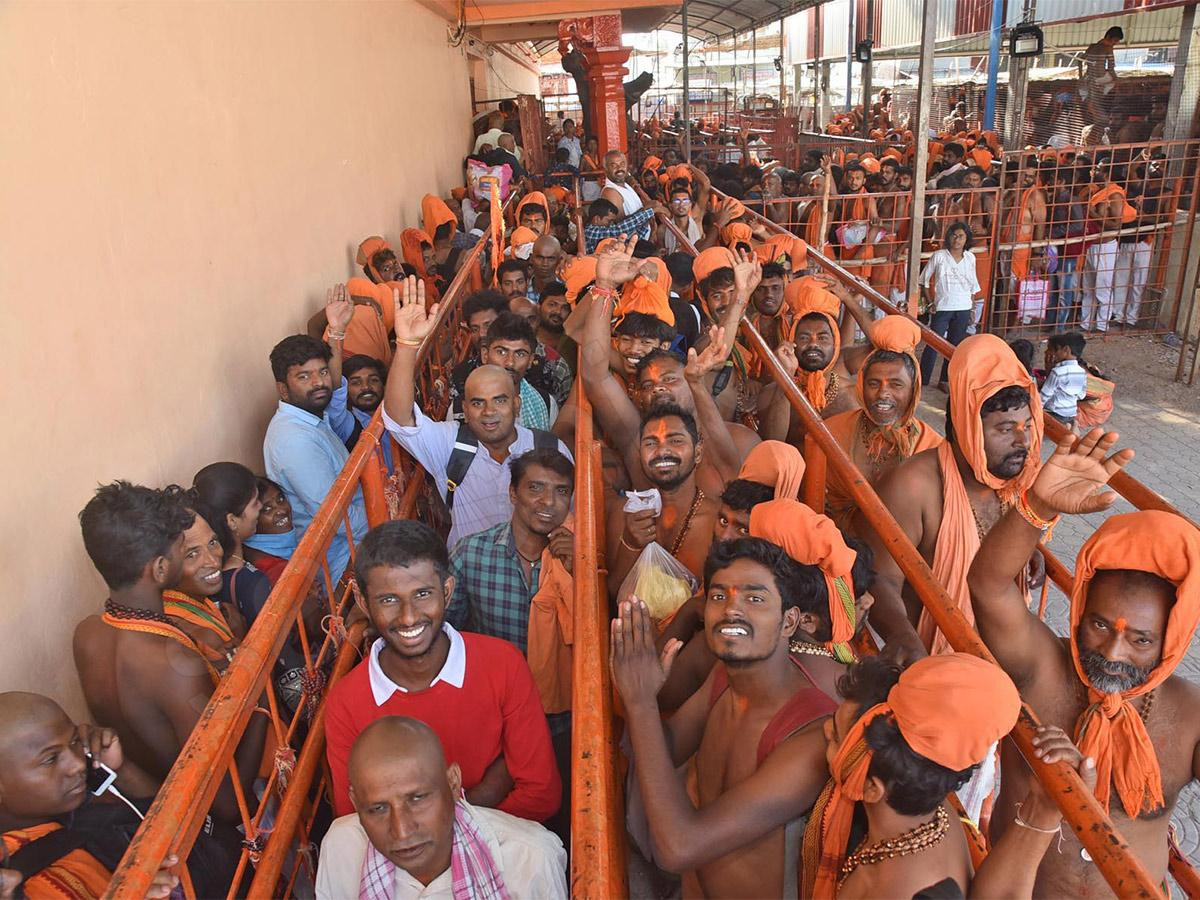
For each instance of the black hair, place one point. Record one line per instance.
(658, 353)
(955, 148)
(854, 167)
(362, 361)
(562, 155)
(296, 350)
(796, 585)
(904, 170)
(679, 264)
(1115, 32)
(680, 186)
(668, 411)
(554, 289)
(915, 785)
(535, 207)
(400, 543)
(1072, 340)
(975, 169)
(510, 327)
(599, 208)
(1023, 350)
(442, 232)
(958, 226)
(381, 257)
(890, 161)
(264, 484)
(125, 526)
(223, 488)
(512, 265)
(644, 325)
(752, 173)
(887, 356)
(546, 457)
(772, 270)
(1012, 397)
(568, 121)
(644, 250)
(719, 278)
(481, 301)
(212, 516)
(743, 495)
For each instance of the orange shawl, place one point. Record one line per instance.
(1110, 729)
(777, 465)
(894, 334)
(411, 242)
(551, 634)
(950, 709)
(535, 198)
(367, 249)
(76, 876)
(434, 214)
(981, 366)
(806, 296)
(812, 539)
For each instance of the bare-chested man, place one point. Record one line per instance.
(753, 730)
(946, 497)
(142, 676)
(1134, 608)
(825, 373)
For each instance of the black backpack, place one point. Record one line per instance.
(463, 454)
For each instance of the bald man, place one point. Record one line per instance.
(412, 830)
(45, 800)
(543, 262)
(478, 498)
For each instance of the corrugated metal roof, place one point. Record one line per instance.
(711, 19)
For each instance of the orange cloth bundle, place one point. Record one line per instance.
(653, 163)
(645, 296)
(434, 214)
(784, 248)
(559, 193)
(982, 365)
(777, 465)
(577, 275)
(1110, 729)
(949, 709)
(870, 163)
(551, 635)
(981, 158)
(812, 539)
(536, 198)
(893, 153)
(708, 261)
(520, 237)
(737, 233)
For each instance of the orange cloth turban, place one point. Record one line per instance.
(784, 247)
(459, 193)
(559, 193)
(895, 334)
(812, 539)
(536, 198)
(577, 275)
(645, 296)
(1110, 729)
(682, 170)
(411, 241)
(737, 233)
(519, 237)
(893, 153)
(652, 162)
(737, 206)
(777, 465)
(710, 260)
(807, 296)
(434, 214)
(871, 164)
(981, 158)
(982, 365)
(949, 709)
(367, 249)
(992, 139)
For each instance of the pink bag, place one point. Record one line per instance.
(480, 178)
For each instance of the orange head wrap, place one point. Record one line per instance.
(808, 296)
(949, 709)
(737, 233)
(645, 296)
(367, 249)
(674, 173)
(653, 163)
(992, 139)
(577, 275)
(737, 207)
(521, 237)
(536, 198)
(981, 158)
(459, 193)
(894, 334)
(411, 241)
(870, 164)
(780, 248)
(777, 465)
(710, 260)
(1110, 729)
(981, 366)
(559, 193)
(434, 214)
(893, 153)
(812, 539)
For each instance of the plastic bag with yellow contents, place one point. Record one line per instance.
(660, 581)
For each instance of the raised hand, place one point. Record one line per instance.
(638, 670)
(786, 354)
(102, 743)
(1072, 478)
(413, 321)
(615, 265)
(747, 273)
(339, 308)
(710, 359)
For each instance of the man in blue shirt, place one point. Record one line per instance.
(363, 378)
(301, 451)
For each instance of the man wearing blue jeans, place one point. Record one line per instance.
(951, 274)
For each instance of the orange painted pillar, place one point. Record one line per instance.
(598, 38)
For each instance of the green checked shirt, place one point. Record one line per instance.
(491, 595)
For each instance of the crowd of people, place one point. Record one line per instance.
(796, 723)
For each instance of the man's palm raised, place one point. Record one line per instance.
(1071, 479)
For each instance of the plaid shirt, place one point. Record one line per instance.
(639, 222)
(491, 595)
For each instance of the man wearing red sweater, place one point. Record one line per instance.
(475, 692)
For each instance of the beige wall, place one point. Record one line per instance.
(499, 76)
(179, 182)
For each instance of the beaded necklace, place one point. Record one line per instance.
(912, 841)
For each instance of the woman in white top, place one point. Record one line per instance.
(951, 273)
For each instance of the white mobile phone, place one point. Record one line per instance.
(99, 776)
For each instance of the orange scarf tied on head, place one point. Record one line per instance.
(808, 296)
(519, 238)
(950, 709)
(895, 334)
(559, 193)
(784, 248)
(648, 297)
(366, 250)
(777, 465)
(536, 198)
(981, 366)
(708, 261)
(812, 539)
(1110, 729)
(653, 163)
(434, 214)
(577, 275)
(412, 242)
(737, 233)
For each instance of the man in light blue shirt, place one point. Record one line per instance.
(570, 142)
(362, 386)
(1066, 379)
(302, 453)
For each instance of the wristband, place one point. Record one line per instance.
(604, 293)
(335, 336)
(1046, 526)
(408, 342)
(628, 546)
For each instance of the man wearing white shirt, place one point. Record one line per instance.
(414, 836)
(952, 163)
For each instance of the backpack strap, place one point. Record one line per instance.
(461, 457)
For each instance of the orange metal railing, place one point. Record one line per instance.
(279, 819)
